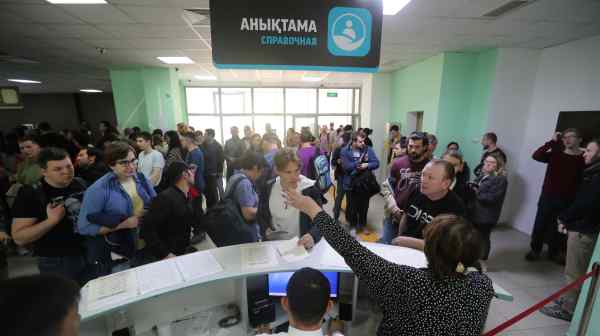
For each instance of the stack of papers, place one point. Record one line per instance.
(258, 256)
(158, 275)
(198, 265)
(109, 290)
(290, 251)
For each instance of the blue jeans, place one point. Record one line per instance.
(72, 267)
(339, 196)
(390, 230)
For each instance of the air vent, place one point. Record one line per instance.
(507, 8)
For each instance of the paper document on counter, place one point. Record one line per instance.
(108, 290)
(197, 265)
(290, 251)
(157, 275)
(258, 256)
(107, 286)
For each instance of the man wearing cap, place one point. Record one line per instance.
(167, 224)
(306, 303)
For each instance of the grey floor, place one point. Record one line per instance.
(528, 282)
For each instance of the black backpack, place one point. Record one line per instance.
(225, 223)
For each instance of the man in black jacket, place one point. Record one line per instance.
(89, 165)
(167, 224)
(277, 220)
(214, 159)
(581, 221)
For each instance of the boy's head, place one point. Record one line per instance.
(307, 298)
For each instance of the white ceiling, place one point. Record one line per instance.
(64, 39)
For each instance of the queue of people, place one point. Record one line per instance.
(131, 199)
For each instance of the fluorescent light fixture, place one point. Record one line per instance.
(312, 79)
(24, 81)
(392, 7)
(76, 2)
(176, 60)
(91, 90)
(206, 77)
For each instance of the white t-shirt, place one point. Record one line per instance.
(295, 332)
(286, 220)
(147, 162)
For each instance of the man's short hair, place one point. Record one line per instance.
(419, 136)
(116, 151)
(51, 154)
(285, 156)
(144, 135)
(455, 154)
(348, 128)
(44, 126)
(491, 136)
(36, 305)
(189, 135)
(250, 160)
(308, 295)
(449, 173)
(356, 135)
(32, 138)
(95, 152)
(157, 131)
(572, 130)
(210, 132)
(394, 128)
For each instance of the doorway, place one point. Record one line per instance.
(414, 122)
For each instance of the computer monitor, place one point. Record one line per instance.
(278, 283)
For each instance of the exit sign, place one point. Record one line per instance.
(332, 94)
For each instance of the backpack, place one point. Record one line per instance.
(224, 222)
(320, 171)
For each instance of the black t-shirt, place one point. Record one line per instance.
(420, 211)
(61, 240)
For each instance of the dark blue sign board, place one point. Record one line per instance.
(316, 35)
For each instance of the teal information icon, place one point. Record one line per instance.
(349, 31)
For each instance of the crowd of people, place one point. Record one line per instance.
(88, 203)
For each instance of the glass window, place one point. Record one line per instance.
(276, 125)
(335, 101)
(300, 101)
(237, 101)
(309, 122)
(336, 120)
(239, 121)
(268, 101)
(202, 100)
(201, 123)
(356, 101)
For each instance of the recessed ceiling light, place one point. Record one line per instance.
(76, 2)
(91, 90)
(24, 81)
(312, 79)
(176, 60)
(206, 78)
(392, 7)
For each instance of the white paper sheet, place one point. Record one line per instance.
(258, 256)
(107, 286)
(197, 265)
(92, 302)
(158, 275)
(290, 251)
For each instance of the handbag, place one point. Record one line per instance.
(365, 183)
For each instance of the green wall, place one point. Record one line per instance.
(453, 90)
(147, 97)
(417, 88)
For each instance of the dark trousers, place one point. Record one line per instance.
(357, 209)
(339, 196)
(545, 226)
(211, 192)
(485, 230)
(72, 267)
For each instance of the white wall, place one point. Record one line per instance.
(567, 79)
(512, 90)
(379, 111)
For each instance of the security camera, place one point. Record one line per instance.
(102, 51)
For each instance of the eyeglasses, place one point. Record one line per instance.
(128, 162)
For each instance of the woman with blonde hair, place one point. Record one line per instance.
(489, 190)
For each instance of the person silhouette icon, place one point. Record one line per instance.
(349, 31)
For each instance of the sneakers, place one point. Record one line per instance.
(556, 311)
(533, 256)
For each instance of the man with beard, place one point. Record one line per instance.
(488, 142)
(405, 177)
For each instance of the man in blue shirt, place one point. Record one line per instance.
(357, 159)
(194, 157)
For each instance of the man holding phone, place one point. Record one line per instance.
(41, 218)
(565, 164)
